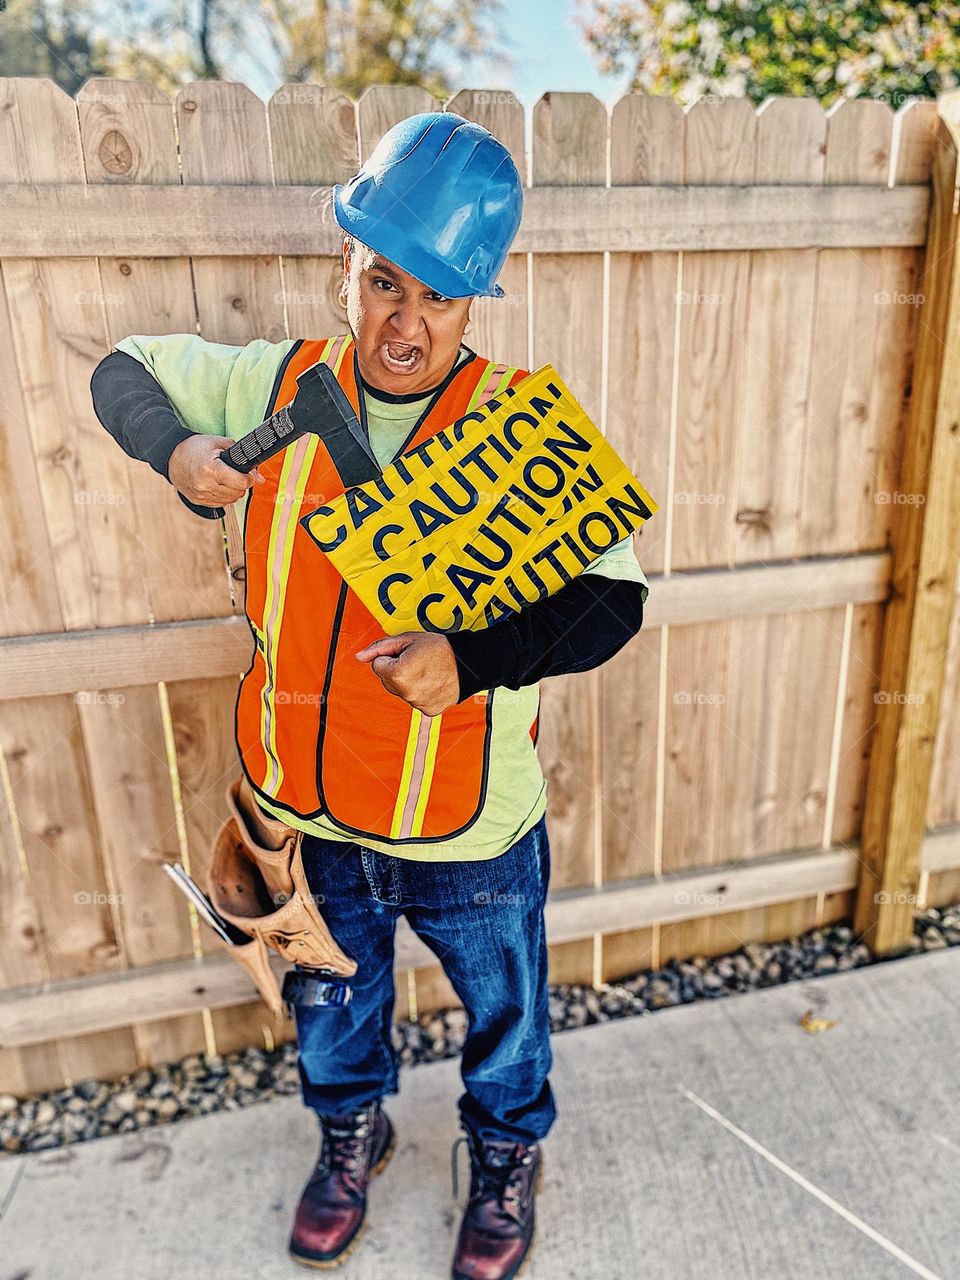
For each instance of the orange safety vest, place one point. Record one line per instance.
(317, 732)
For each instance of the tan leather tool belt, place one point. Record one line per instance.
(257, 882)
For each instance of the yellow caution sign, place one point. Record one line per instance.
(498, 510)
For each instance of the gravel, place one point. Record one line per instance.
(204, 1083)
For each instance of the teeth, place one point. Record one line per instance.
(407, 354)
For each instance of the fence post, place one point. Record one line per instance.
(925, 552)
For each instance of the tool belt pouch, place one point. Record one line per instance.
(257, 883)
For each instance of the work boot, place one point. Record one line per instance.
(333, 1206)
(496, 1233)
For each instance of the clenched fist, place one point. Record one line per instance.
(417, 666)
(196, 469)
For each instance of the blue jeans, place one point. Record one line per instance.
(484, 922)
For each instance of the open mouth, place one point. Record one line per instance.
(401, 357)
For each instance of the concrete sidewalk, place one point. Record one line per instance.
(709, 1142)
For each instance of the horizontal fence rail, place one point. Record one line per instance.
(71, 220)
(78, 1008)
(30, 1016)
(114, 657)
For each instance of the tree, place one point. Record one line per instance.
(351, 44)
(347, 44)
(44, 38)
(755, 48)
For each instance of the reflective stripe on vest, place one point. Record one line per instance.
(316, 730)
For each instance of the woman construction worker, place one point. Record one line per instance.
(415, 780)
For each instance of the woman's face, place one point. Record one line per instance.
(407, 335)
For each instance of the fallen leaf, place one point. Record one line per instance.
(812, 1024)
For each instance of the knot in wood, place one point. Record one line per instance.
(115, 152)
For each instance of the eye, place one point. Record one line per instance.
(437, 297)
(378, 280)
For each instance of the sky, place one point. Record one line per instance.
(549, 54)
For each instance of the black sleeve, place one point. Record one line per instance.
(582, 625)
(137, 412)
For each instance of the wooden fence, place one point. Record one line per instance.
(759, 307)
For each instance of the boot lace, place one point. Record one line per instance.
(345, 1143)
(494, 1173)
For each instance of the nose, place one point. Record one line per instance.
(407, 321)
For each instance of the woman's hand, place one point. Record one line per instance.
(196, 469)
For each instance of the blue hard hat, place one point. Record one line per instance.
(440, 197)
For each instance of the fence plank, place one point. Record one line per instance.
(720, 145)
(569, 148)
(646, 147)
(894, 360)
(925, 545)
(28, 601)
(777, 745)
(753, 484)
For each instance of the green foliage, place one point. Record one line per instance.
(754, 48)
